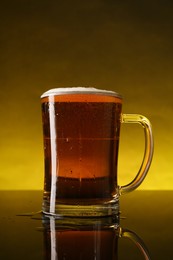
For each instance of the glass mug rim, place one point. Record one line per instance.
(80, 90)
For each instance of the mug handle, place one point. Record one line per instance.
(137, 240)
(148, 154)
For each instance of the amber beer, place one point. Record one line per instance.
(88, 239)
(81, 136)
(82, 244)
(80, 240)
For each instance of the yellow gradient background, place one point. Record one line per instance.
(126, 46)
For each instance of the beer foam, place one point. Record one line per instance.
(79, 90)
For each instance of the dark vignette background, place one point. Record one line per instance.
(124, 46)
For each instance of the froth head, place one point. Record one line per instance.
(79, 90)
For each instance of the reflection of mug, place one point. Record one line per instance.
(81, 128)
(92, 239)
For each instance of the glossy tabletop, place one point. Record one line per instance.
(26, 234)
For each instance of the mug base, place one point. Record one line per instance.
(76, 210)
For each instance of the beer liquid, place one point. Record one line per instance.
(86, 139)
(85, 245)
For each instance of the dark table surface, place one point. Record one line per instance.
(147, 214)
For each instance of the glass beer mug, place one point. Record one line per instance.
(88, 239)
(81, 128)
